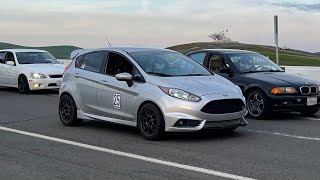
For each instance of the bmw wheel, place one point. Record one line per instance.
(257, 104)
(151, 122)
(23, 85)
(68, 111)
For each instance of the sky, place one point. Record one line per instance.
(159, 23)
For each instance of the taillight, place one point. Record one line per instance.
(66, 68)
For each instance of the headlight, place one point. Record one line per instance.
(38, 76)
(284, 90)
(180, 94)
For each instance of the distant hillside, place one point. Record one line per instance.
(289, 57)
(60, 52)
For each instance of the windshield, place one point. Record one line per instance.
(165, 63)
(35, 58)
(251, 63)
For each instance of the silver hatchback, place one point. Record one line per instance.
(156, 90)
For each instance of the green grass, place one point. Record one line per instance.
(60, 52)
(289, 57)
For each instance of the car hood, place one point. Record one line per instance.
(198, 85)
(45, 68)
(280, 78)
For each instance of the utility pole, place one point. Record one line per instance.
(276, 37)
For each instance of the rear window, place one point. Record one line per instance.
(93, 61)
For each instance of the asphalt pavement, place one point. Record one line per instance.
(287, 146)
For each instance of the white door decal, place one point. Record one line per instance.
(116, 101)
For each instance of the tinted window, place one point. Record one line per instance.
(251, 62)
(79, 61)
(93, 61)
(118, 64)
(2, 55)
(167, 63)
(198, 57)
(36, 58)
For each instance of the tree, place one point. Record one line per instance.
(221, 36)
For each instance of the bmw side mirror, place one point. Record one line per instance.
(283, 68)
(125, 77)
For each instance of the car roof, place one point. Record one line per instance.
(127, 49)
(23, 50)
(225, 51)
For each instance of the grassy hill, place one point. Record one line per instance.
(60, 52)
(289, 57)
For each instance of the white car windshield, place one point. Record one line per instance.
(252, 62)
(35, 58)
(165, 63)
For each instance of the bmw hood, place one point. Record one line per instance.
(280, 78)
(198, 85)
(45, 68)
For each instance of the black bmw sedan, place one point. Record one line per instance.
(266, 86)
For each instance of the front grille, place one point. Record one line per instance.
(306, 90)
(223, 106)
(56, 76)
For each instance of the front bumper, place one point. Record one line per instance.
(292, 103)
(48, 83)
(175, 110)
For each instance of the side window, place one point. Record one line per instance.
(2, 54)
(216, 63)
(198, 57)
(93, 61)
(10, 59)
(118, 64)
(79, 61)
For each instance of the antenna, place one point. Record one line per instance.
(108, 42)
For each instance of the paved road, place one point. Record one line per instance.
(285, 147)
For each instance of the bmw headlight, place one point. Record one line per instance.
(284, 90)
(38, 76)
(180, 94)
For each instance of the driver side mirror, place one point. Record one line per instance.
(283, 68)
(125, 77)
(226, 71)
(10, 63)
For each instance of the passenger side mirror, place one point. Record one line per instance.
(226, 71)
(125, 77)
(10, 63)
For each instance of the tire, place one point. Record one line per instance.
(257, 104)
(309, 112)
(23, 85)
(68, 111)
(151, 122)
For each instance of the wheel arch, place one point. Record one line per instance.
(146, 102)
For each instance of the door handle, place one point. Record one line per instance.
(76, 75)
(104, 82)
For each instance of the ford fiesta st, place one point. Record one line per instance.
(156, 90)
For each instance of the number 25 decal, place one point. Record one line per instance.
(116, 101)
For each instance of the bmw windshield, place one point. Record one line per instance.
(35, 58)
(252, 62)
(167, 64)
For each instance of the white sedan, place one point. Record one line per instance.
(28, 69)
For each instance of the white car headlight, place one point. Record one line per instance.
(180, 94)
(38, 76)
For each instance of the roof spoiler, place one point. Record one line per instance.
(76, 52)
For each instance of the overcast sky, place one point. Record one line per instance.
(158, 22)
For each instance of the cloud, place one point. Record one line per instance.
(315, 7)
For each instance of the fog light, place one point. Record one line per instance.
(36, 85)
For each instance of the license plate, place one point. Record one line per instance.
(58, 83)
(312, 101)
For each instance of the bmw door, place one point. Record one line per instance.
(117, 99)
(88, 67)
